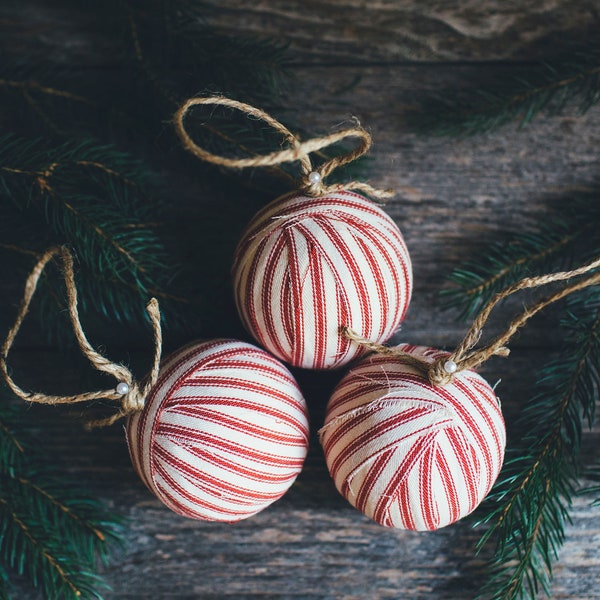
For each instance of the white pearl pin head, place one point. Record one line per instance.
(450, 367)
(314, 177)
(122, 388)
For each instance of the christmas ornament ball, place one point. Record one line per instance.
(223, 433)
(408, 454)
(305, 266)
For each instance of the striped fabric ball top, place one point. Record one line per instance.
(223, 434)
(305, 266)
(408, 454)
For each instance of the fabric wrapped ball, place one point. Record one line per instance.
(409, 454)
(305, 266)
(223, 433)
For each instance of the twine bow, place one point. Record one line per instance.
(130, 393)
(313, 178)
(465, 356)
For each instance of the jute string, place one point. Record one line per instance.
(465, 356)
(130, 402)
(313, 178)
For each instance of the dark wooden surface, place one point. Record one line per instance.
(353, 59)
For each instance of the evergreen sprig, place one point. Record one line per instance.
(568, 234)
(530, 503)
(567, 83)
(166, 53)
(50, 531)
(160, 52)
(534, 494)
(93, 198)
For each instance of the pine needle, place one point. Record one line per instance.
(569, 236)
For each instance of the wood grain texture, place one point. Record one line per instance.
(454, 196)
(431, 30)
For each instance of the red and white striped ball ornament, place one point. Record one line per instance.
(306, 265)
(223, 433)
(409, 454)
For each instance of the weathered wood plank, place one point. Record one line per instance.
(333, 31)
(352, 30)
(454, 196)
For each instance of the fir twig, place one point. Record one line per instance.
(34, 86)
(171, 54)
(533, 496)
(172, 46)
(572, 231)
(166, 53)
(91, 197)
(530, 504)
(570, 82)
(49, 531)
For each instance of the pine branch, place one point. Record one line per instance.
(532, 499)
(93, 198)
(567, 84)
(31, 551)
(571, 231)
(41, 98)
(168, 54)
(72, 510)
(49, 531)
(506, 263)
(530, 503)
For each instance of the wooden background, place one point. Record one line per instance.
(373, 60)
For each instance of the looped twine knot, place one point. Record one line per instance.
(442, 371)
(128, 392)
(439, 374)
(312, 181)
(133, 401)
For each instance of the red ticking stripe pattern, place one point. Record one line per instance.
(224, 431)
(408, 454)
(305, 266)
